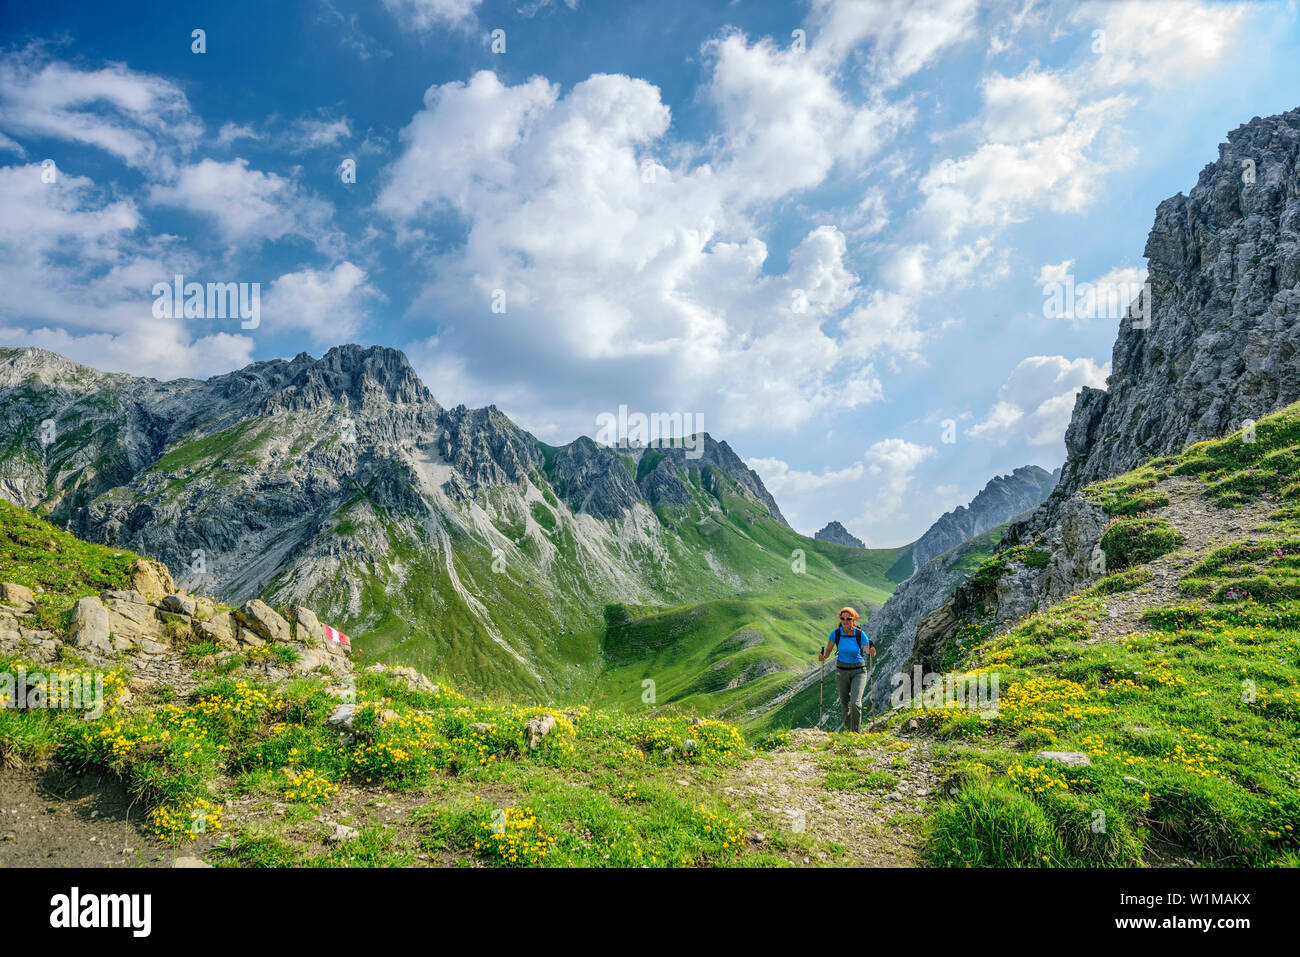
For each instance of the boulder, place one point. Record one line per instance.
(262, 620)
(151, 578)
(20, 596)
(131, 620)
(140, 615)
(179, 603)
(309, 626)
(223, 627)
(222, 633)
(89, 628)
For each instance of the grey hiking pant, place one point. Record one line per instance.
(851, 683)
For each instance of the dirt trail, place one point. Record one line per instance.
(871, 820)
(1204, 526)
(56, 819)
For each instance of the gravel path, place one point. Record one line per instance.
(786, 791)
(1205, 526)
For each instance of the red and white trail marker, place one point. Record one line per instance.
(334, 636)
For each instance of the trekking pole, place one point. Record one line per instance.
(821, 691)
(871, 693)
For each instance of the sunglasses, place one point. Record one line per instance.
(846, 617)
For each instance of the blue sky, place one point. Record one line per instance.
(823, 228)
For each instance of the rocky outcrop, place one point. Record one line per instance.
(837, 533)
(151, 578)
(664, 474)
(1212, 343)
(893, 628)
(154, 639)
(259, 618)
(1221, 339)
(596, 483)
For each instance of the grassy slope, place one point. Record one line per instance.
(603, 789)
(559, 621)
(692, 652)
(58, 567)
(1198, 706)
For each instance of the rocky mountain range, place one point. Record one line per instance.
(341, 483)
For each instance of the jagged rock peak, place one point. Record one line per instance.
(344, 372)
(1220, 342)
(665, 483)
(837, 533)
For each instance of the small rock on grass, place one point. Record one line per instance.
(1073, 759)
(539, 728)
(342, 716)
(341, 832)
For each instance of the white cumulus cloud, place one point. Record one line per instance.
(1034, 404)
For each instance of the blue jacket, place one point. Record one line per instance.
(850, 652)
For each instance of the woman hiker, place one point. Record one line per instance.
(850, 665)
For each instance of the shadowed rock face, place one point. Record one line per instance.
(1220, 344)
(667, 482)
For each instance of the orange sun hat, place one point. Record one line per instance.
(851, 611)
